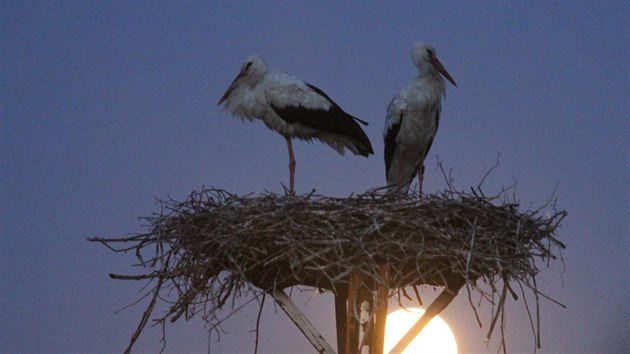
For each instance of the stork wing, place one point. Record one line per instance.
(393, 121)
(304, 104)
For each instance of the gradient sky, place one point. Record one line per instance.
(106, 106)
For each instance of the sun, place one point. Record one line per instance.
(435, 338)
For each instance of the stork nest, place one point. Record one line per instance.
(215, 245)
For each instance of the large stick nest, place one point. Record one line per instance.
(213, 246)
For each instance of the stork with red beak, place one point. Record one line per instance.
(293, 108)
(412, 120)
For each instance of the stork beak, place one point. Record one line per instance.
(439, 67)
(231, 88)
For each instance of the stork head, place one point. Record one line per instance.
(425, 59)
(252, 71)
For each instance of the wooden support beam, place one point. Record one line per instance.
(352, 323)
(306, 327)
(380, 317)
(341, 312)
(440, 303)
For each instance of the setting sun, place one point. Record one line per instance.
(435, 338)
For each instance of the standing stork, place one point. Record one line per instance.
(293, 108)
(412, 120)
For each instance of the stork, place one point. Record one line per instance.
(412, 120)
(293, 108)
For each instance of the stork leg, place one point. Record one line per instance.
(420, 178)
(291, 166)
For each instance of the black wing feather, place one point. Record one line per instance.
(390, 144)
(323, 94)
(333, 120)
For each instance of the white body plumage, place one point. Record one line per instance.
(281, 90)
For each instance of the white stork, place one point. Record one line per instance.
(412, 120)
(293, 108)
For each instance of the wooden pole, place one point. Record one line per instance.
(341, 312)
(380, 318)
(352, 323)
(306, 327)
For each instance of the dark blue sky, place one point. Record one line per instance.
(106, 106)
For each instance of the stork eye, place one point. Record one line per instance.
(430, 52)
(247, 66)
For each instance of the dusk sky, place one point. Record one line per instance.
(107, 106)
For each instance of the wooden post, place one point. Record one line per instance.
(352, 323)
(380, 317)
(341, 313)
(368, 331)
(306, 327)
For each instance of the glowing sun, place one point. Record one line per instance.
(435, 338)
